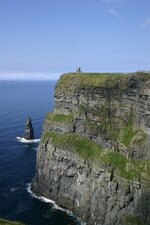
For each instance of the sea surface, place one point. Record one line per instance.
(18, 100)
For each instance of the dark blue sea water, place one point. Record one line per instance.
(19, 99)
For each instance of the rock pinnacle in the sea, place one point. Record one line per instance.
(28, 130)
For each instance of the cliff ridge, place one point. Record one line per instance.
(94, 155)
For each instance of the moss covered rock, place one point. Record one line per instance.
(8, 222)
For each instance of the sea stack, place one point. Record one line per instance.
(28, 130)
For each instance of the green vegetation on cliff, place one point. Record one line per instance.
(128, 132)
(82, 146)
(8, 222)
(132, 220)
(73, 80)
(54, 117)
(91, 151)
(117, 129)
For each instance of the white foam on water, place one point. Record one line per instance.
(55, 206)
(14, 189)
(23, 140)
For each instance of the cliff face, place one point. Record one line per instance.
(94, 156)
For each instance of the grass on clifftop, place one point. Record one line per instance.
(73, 80)
(8, 222)
(58, 117)
(91, 151)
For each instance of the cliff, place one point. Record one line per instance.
(94, 155)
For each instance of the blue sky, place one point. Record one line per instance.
(40, 39)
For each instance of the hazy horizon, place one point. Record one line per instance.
(47, 76)
(29, 76)
(43, 39)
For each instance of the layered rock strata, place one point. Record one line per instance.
(94, 156)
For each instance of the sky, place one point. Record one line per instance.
(41, 39)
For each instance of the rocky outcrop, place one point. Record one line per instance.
(94, 155)
(28, 130)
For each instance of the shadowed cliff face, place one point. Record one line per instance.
(94, 156)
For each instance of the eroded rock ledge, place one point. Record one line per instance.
(94, 156)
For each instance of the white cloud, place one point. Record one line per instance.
(146, 23)
(114, 13)
(29, 76)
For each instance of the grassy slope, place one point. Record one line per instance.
(58, 117)
(132, 220)
(75, 80)
(88, 149)
(72, 81)
(8, 222)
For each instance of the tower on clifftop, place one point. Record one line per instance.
(78, 70)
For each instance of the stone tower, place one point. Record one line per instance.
(78, 70)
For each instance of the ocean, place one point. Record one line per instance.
(18, 100)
